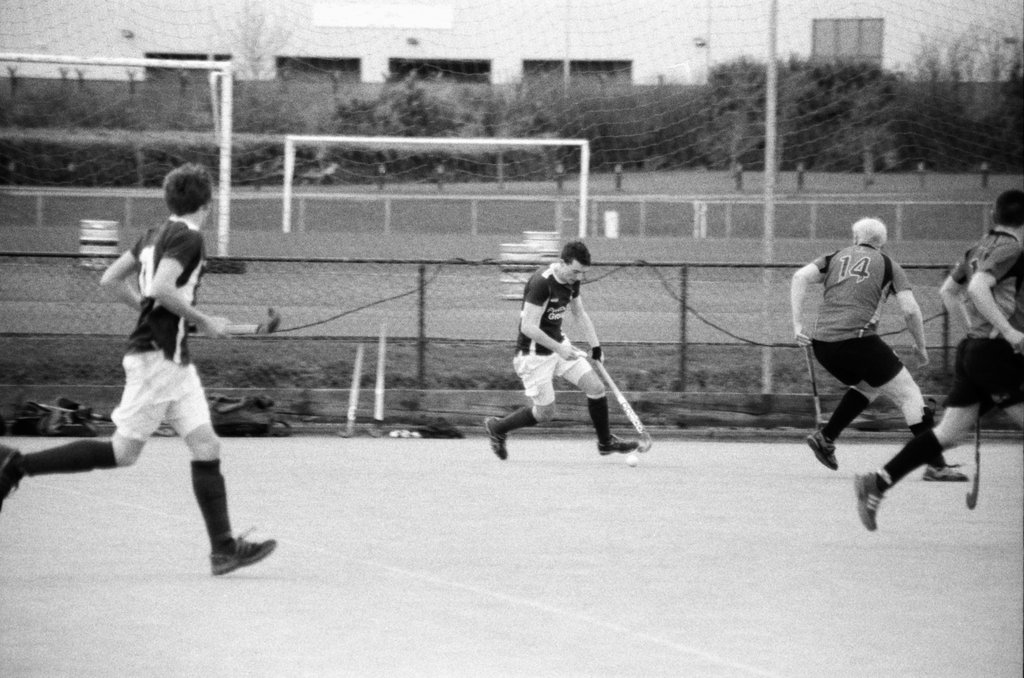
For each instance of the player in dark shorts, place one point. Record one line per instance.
(544, 352)
(989, 369)
(159, 277)
(857, 280)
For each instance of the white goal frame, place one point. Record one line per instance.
(291, 141)
(221, 72)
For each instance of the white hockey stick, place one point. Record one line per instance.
(645, 437)
(814, 386)
(972, 496)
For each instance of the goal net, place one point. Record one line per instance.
(104, 132)
(456, 169)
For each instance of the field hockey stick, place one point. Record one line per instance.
(268, 326)
(814, 385)
(645, 437)
(972, 496)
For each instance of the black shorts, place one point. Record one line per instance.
(988, 373)
(851, 361)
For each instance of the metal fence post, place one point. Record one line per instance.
(684, 276)
(421, 342)
(945, 340)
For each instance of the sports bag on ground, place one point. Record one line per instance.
(66, 418)
(246, 416)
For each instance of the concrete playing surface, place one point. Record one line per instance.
(405, 557)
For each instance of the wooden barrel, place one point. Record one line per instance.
(99, 239)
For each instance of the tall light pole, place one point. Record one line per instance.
(565, 59)
(770, 123)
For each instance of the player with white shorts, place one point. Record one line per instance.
(158, 278)
(543, 353)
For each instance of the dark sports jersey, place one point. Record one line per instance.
(542, 289)
(1002, 256)
(858, 279)
(157, 328)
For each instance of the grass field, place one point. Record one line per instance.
(649, 204)
(432, 558)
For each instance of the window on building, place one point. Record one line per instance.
(604, 71)
(847, 39)
(447, 70)
(620, 72)
(316, 68)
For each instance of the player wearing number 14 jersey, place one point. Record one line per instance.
(857, 280)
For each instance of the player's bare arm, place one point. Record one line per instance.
(979, 289)
(167, 293)
(582, 318)
(915, 323)
(953, 296)
(120, 280)
(529, 324)
(802, 279)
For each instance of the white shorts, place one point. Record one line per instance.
(539, 371)
(159, 390)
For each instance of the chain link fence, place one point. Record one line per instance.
(676, 327)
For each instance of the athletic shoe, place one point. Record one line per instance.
(10, 471)
(868, 498)
(824, 449)
(946, 474)
(243, 554)
(615, 444)
(497, 439)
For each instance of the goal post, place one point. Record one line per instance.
(221, 76)
(381, 143)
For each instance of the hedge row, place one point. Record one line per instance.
(832, 118)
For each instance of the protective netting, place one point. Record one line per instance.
(668, 86)
(670, 326)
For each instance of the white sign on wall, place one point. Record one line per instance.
(382, 15)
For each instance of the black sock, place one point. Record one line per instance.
(521, 418)
(938, 460)
(918, 451)
(74, 457)
(849, 408)
(918, 429)
(208, 485)
(599, 415)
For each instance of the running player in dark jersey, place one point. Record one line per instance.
(857, 281)
(989, 370)
(544, 352)
(159, 277)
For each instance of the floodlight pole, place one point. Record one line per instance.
(770, 122)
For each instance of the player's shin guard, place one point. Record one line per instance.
(926, 424)
(521, 418)
(598, 408)
(849, 408)
(208, 486)
(74, 457)
(915, 453)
